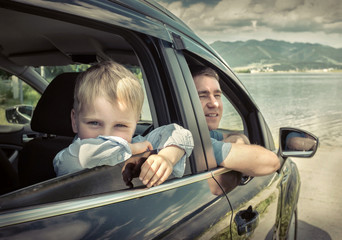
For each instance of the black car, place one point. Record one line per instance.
(45, 44)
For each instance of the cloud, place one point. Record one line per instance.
(223, 19)
(188, 3)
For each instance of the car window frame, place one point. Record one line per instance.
(173, 65)
(237, 95)
(210, 158)
(232, 88)
(152, 81)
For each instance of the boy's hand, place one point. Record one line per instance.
(155, 170)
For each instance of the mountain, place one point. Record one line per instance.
(278, 55)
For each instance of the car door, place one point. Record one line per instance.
(182, 207)
(80, 205)
(260, 197)
(17, 101)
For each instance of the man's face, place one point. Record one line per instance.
(209, 92)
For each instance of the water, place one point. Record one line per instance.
(309, 101)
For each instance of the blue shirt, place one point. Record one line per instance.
(221, 149)
(216, 135)
(111, 150)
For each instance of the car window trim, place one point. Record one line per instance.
(201, 122)
(173, 64)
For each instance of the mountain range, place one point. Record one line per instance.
(272, 55)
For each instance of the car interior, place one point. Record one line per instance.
(24, 46)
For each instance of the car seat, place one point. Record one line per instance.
(51, 119)
(8, 178)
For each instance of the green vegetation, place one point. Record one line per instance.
(30, 97)
(50, 72)
(243, 70)
(261, 208)
(10, 89)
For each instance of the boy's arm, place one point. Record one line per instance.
(140, 147)
(176, 144)
(92, 152)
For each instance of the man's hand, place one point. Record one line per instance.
(238, 138)
(132, 169)
(132, 166)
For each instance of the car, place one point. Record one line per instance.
(20, 114)
(44, 44)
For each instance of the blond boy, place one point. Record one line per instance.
(107, 105)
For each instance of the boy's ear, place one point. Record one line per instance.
(73, 121)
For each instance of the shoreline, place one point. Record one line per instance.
(297, 72)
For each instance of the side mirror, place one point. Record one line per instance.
(20, 114)
(297, 143)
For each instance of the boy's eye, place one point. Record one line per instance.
(93, 123)
(120, 126)
(218, 96)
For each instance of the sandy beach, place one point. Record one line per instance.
(320, 204)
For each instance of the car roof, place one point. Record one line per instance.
(52, 33)
(34, 34)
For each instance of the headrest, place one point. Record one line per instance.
(52, 113)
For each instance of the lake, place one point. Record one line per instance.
(309, 101)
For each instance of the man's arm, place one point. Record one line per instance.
(300, 143)
(252, 160)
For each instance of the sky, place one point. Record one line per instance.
(310, 21)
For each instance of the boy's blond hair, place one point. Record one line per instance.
(112, 81)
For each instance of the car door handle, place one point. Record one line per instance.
(246, 221)
(245, 179)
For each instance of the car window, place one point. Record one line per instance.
(35, 157)
(25, 107)
(231, 119)
(145, 116)
(17, 100)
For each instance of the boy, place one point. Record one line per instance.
(107, 105)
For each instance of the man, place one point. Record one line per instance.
(252, 160)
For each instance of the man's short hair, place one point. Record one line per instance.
(198, 70)
(112, 81)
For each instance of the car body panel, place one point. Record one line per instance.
(262, 198)
(147, 213)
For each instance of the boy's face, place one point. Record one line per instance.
(104, 118)
(209, 92)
